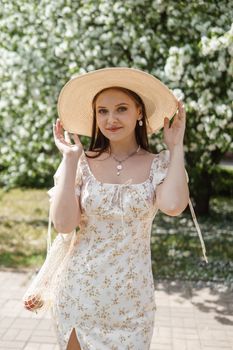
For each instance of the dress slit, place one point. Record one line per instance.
(77, 337)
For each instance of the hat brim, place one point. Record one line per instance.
(75, 99)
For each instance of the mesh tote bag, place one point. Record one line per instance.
(40, 294)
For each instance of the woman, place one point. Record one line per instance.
(105, 298)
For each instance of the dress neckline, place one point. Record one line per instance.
(115, 184)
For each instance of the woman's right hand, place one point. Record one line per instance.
(63, 141)
(33, 302)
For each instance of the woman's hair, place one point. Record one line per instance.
(100, 143)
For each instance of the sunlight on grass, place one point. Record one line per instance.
(23, 227)
(20, 204)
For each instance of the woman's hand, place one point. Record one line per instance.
(174, 135)
(63, 142)
(33, 302)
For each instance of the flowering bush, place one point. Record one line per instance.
(188, 45)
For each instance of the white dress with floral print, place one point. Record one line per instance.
(106, 288)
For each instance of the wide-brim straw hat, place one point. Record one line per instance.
(75, 99)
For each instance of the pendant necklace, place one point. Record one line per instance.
(119, 165)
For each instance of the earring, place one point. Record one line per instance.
(140, 122)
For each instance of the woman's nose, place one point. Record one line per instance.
(112, 115)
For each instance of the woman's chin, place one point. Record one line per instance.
(113, 134)
(119, 135)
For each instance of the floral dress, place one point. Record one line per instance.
(106, 288)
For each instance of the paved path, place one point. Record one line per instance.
(188, 317)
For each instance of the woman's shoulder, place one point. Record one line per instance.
(91, 153)
(151, 154)
(147, 154)
(160, 153)
(96, 154)
(161, 156)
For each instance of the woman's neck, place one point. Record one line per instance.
(121, 150)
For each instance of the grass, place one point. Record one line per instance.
(176, 249)
(23, 228)
(175, 246)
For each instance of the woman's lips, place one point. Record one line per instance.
(114, 129)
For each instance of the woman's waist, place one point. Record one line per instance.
(114, 220)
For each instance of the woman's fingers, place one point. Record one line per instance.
(181, 109)
(63, 139)
(55, 135)
(67, 137)
(59, 139)
(57, 132)
(59, 127)
(76, 139)
(180, 113)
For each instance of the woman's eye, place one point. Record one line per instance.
(103, 111)
(124, 108)
(100, 110)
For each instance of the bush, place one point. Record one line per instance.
(188, 45)
(222, 181)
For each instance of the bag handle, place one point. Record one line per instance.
(49, 239)
(198, 231)
(196, 223)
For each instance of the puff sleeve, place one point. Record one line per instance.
(161, 167)
(55, 180)
(78, 180)
(160, 172)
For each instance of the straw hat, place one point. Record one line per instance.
(75, 99)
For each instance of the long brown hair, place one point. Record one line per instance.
(100, 143)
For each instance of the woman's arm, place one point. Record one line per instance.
(172, 195)
(65, 208)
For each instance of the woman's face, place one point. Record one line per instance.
(116, 114)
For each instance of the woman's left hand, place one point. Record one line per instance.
(174, 135)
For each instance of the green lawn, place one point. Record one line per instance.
(23, 227)
(176, 249)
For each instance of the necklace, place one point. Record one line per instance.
(119, 165)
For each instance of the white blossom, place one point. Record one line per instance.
(179, 94)
(45, 43)
(220, 109)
